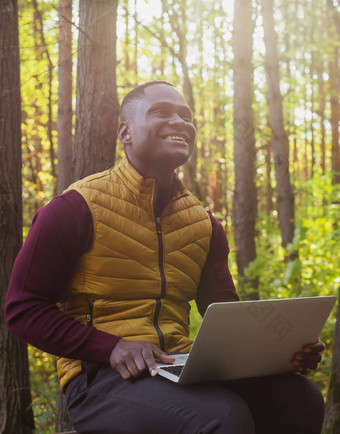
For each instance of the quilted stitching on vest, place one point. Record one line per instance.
(121, 272)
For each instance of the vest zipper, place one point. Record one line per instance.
(89, 316)
(161, 272)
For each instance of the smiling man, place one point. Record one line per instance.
(104, 281)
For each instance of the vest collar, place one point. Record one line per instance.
(144, 187)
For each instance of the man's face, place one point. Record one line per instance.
(161, 130)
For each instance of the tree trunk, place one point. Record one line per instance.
(64, 122)
(322, 117)
(97, 102)
(285, 197)
(334, 85)
(16, 415)
(39, 19)
(335, 113)
(135, 60)
(38, 152)
(218, 148)
(202, 151)
(269, 189)
(191, 165)
(332, 414)
(306, 151)
(312, 108)
(245, 200)
(178, 24)
(62, 423)
(97, 105)
(127, 47)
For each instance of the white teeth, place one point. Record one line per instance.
(175, 138)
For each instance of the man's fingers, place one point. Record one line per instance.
(123, 371)
(311, 361)
(163, 357)
(138, 359)
(152, 353)
(309, 357)
(303, 371)
(315, 348)
(131, 366)
(149, 358)
(131, 358)
(304, 362)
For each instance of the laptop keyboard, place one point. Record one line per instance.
(175, 370)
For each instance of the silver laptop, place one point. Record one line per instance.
(250, 339)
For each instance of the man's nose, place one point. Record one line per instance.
(177, 120)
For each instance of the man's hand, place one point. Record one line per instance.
(132, 358)
(309, 357)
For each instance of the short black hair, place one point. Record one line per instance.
(136, 94)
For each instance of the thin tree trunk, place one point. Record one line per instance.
(312, 141)
(290, 77)
(269, 189)
(97, 103)
(322, 117)
(126, 46)
(245, 200)
(296, 168)
(135, 65)
(38, 151)
(334, 85)
(285, 197)
(335, 113)
(178, 24)
(50, 78)
(191, 164)
(312, 25)
(16, 415)
(306, 130)
(218, 140)
(204, 179)
(332, 413)
(64, 122)
(163, 45)
(62, 423)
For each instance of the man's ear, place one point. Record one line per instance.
(123, 133)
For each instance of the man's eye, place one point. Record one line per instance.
(186, 117)
(160, 112)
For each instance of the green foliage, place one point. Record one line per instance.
(44, 389)
(316, 270)
(38, 181)
(195, 320)
(145, 51)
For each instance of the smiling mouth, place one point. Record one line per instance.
(176, 138)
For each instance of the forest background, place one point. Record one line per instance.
(262, 79)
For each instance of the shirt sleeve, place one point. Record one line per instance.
(216, 283)
(61, 232)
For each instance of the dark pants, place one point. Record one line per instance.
(99, 401)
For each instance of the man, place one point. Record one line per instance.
(122, 253)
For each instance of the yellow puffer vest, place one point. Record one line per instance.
(142, 270)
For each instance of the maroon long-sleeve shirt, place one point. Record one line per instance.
(61, 232)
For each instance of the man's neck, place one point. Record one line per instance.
(164, 191)
(164, 179)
